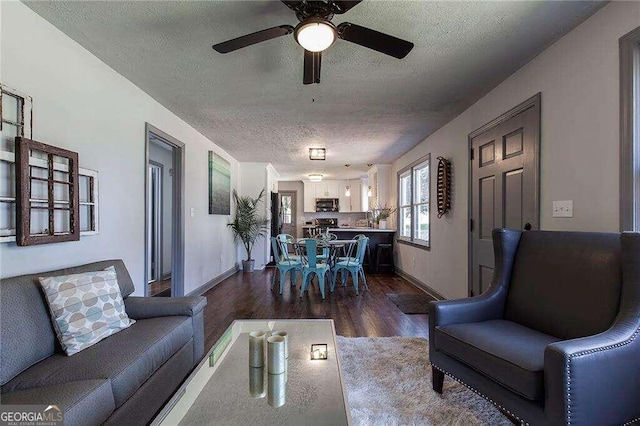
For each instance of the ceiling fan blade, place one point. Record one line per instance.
(375, 40)
(342, 6)
(312, 62)
(292, 4)
(249, 39)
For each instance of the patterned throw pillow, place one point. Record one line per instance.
(85, 308)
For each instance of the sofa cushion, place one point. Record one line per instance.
(27, 335)
(565, 284)
(511, 354)
(86, 402)
(127, 358)
(85, 308)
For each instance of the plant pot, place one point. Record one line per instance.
(247, 265)
(382, 224)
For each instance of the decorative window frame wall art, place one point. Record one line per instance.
(15, 121)
(219, 185)
(47, 199)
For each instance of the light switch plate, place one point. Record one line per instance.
(563, 208)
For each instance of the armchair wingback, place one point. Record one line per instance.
(554, 340)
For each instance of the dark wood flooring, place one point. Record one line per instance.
(160, 288)
(372, 313)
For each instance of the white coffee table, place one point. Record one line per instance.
(217, 392)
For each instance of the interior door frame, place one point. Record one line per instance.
(534, 102)
(178, 224)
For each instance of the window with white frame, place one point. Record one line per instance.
(414, 185)
(15, 120)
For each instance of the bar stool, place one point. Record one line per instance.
(384, 250)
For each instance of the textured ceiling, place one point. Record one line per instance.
(369, 107)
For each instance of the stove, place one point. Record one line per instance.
(327, 222)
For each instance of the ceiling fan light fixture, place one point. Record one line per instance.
(315, 35)
(315, 177)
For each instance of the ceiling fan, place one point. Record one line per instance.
(316, 32)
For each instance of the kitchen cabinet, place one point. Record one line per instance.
(327, 189)
(379, 178)
(309, 197)
(313, 190)
(354, 202)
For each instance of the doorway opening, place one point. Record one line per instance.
(288, 213)
(164, 242)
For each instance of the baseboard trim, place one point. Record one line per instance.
(213, 282)
(422, 286)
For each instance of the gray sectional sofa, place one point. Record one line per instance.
(123, 379)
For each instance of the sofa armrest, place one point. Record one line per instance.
(150, 307)
(594, 380)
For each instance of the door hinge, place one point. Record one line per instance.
(471, 154)
(470, 225)
(471, 293)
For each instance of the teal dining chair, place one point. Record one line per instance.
(284, 240)
(352, 265)
(325, 249)
(284, 264)
(312, 264)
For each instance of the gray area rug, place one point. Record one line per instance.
(388, 382)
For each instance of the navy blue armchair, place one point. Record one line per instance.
(554, 340)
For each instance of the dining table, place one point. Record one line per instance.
(335, 246)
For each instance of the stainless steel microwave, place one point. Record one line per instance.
(327, 204)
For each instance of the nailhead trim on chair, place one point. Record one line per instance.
(500, 407)
(591, 351)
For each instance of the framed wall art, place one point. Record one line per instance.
(219, 185)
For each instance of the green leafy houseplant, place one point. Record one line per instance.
(247, 225)
(382, 213)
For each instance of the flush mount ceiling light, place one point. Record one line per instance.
(317, 154)
(315, 177)
(315, 34)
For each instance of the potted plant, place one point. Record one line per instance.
(247, 225)
(381, 214)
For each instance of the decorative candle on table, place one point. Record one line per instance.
(286, 341)
(256, 348)
(275, 355)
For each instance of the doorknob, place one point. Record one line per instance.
(527, 226)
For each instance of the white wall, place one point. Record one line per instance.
(578, 77)
(81, 104)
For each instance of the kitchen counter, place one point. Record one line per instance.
(360, 230)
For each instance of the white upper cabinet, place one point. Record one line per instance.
(352, 203)
(379, 178)
(309, 197)
(336, 189)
